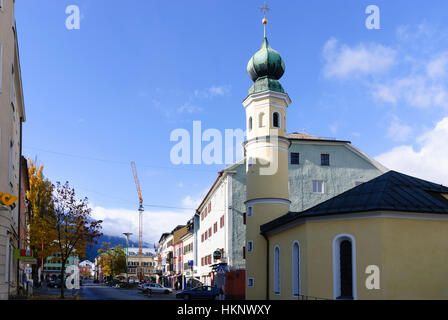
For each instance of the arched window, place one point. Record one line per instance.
(261, 119)
(296, 269)
(276, 120)
(277, 270)
(250, 124)
(344, 267)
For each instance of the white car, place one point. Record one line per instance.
(154, 288)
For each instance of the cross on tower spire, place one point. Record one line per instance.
(265, 9)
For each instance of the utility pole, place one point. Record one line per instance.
(127, 234)
(113, 258)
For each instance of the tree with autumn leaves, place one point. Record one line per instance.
(40, 232)
(112, 260)
(61, 225)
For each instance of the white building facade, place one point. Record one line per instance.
(188, 258)
(219, 226)
(12, 115)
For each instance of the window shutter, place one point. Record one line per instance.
(11, 162)
(13, 89)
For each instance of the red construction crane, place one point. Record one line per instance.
(140, 274)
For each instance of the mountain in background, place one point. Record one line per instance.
(92, 253)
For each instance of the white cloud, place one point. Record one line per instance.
(429, 163)
(116, 221)
(213, 91)
(399, 131)
(437, 68)
(218, 90)
(417, 91)
(418, 33)
(343, 61)
(194, 201)
(188, 108)
(190, 202)
(334, 128)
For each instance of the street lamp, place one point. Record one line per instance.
(127, 234)
(113, 258)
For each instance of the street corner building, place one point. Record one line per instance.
(12, 115)
(318, 244)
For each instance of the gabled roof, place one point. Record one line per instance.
(305, 136)
(392, 191)
(301, 136)
(163, 236)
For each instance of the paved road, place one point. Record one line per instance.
(97, 291)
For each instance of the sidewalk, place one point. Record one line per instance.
(45, 293)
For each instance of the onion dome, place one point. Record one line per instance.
(265, 68)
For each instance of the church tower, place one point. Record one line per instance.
(266, 152)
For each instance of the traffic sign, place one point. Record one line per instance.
(221, 269)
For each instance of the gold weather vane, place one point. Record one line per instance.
(265, 10)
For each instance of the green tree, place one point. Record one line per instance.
(112, 260)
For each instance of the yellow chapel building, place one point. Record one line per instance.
(384, 239)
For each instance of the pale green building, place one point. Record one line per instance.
(53, 265)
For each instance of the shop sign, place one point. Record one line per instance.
(217, 255)
(23, 254)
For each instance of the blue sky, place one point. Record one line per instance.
(113, 91)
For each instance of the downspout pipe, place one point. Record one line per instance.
(267, 264)
(19, 208)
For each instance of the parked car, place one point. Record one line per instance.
(112, 283)
(151, 288)
(55, 283)
(141, 286)
(51, 284)
(202, 292)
